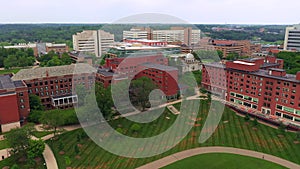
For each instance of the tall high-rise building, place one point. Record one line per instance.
(93, 41)
(292, 38)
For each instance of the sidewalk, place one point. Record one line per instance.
(204, 150)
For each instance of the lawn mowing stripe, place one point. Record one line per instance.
(85, 154)
(264, 135)
(243, 136)
(296, 147)
(290, 141)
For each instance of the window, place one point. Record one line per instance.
(287, 117)
(279, 107)
(21, 94)
(278, 114)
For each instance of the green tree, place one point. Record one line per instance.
(141, 88)
(52, 119)
(220, 54)
(104, 100)
(55, 61)
(66, 59)
(232, 56)
(255, 122)
(10, 61)
(35, 102)
(35, 149)
(247, 117)
(19, 140)
(135, 127)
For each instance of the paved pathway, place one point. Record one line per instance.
(49, 158)
(203, 150)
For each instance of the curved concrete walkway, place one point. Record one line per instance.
(49, 158)
(204, 150)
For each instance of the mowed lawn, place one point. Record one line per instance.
(7, 71)
(222, 160)
(231, 132)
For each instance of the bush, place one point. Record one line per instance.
(135, 127)
(247, 117)
(255, 122)
(35, 116)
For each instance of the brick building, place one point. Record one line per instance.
(14, 103)
(54, 85)
(260, 85)
(154, 67)
(243, 47)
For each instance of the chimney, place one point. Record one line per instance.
(47, 73)
(298, 76)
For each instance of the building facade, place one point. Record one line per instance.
(14, 103)
(292, 38)
(96, 42)
(269, 91)
(182, 35)
(54, 85)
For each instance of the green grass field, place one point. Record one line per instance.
(222, 160)
(231, 132)
(9, 71)
(40, 134)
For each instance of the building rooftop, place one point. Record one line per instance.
(266, 65)
(159, 67)
(244, 63)
(105, 72)
(215, 64)
(42, 72)
(265, 73)
(7, 83)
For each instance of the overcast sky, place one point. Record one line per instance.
(192, 11)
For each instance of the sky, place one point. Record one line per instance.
(191, 11)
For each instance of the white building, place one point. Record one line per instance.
(93, 41)
(185, 35)
(137, 33)
(292, 38)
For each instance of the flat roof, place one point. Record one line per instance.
(244, 63)
(265, 73)
(158, 66)
(215, 64)
(7, 83)
(105, 72)
(41, 72)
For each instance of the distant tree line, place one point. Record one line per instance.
(16, 57)
(291, 61)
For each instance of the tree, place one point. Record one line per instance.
(104, 100)
(19, 140)
(10, 61)
(140, 89)
(66, 59)
(135, 127)
(55, 61)
(247, 117)
(232, 56)
(52, 119)
(36, 149)
(35, 102)
(35, 116)
(255, 122)
(220, 54)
